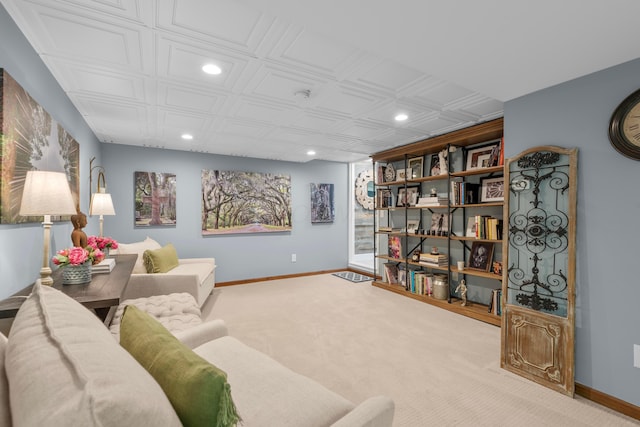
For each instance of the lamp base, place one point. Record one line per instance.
(45, 276)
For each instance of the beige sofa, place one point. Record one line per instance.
(62, 367)
(193, 275)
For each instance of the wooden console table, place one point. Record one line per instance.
(101, 295)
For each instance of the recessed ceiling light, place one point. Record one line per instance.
(311, 153)
(401, 117)
(211, 69)
(187, 136)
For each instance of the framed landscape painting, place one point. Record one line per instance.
(30, 139)
(245, 202)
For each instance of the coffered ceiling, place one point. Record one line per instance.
(300, 75)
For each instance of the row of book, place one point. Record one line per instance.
(484, 227)
(464, 193)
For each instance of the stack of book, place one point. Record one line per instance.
(432, 201)
(434, 260)
(104, 266)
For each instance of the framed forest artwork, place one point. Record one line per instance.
(322, 209)
(245, 202)
(155, 199)
(30, 139)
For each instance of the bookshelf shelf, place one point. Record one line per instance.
(441, 227)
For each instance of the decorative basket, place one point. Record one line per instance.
(76, 274)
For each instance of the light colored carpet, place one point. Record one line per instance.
(440, 368)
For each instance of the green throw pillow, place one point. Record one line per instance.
(198, 390)
(160, 260)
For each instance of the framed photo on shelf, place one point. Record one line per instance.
(402, 174)
(439, 224)
(408, 196)
(412, 225)
(472, 227)
(434, 169)
(389, 173)
(492, 189)
(415, 164)
(480, 256)
(483, 157)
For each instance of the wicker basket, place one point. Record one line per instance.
(76, 274)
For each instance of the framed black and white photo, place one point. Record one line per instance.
(492, 189)
(412, 225)
(408, 196)
(415, 164)
(480, 256)
(482, 157)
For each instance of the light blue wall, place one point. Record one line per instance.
(317, 246)
(21, 245)
(576, 114)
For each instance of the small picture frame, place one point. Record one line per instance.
(403, 174)
(416, 166)
(408, 196)
(492, 189)
(413, 225)
(434, 168)
(480, 256)
(482, 157)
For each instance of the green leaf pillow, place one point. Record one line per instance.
(160, 260)
(198, 391)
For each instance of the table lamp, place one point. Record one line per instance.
(46, 193)
(101, 204)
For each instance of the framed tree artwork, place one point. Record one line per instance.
(155, 199)
(245, 202)
(30, 139)
(322, 209)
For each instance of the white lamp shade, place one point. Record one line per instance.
(101, 204)
(46, 193)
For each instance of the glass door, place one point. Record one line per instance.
(361, 216)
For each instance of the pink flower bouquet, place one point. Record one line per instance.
(102, 243)
(77, 256)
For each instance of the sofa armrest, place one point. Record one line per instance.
(147, 285)
(374, 412)
(202, 333)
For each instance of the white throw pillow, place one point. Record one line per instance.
(65, 369)
(138, 248)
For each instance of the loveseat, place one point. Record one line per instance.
(62, 367)
(193, 275)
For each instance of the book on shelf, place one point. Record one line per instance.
(420, 282)
(391, 273)
(484, 227)
(104, 266)
(384, 198)
(464, 193)
(495, 305)
(395, 247)
(434, 260)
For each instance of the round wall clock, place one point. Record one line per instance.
(364, 189)
(624, 128)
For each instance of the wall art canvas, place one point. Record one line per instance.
(245, 202)
(30, 139)
(155, 199)
(322, 209)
